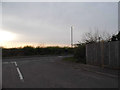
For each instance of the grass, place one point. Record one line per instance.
(70, 59)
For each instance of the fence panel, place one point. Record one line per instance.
(103, 54)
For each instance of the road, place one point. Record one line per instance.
(50, 72)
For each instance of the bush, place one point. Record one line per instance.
(80, 53)
(29, 50)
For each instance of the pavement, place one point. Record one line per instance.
(96, 69)
(52, 72)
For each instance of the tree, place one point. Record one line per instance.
(96, 36)
(116, 37)
(28, 50)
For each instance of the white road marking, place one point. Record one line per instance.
(5, 62)
(23, 61)
(15, 64)
(60, 56)
(19, 72)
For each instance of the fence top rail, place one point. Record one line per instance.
(103, 42)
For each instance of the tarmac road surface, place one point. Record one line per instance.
(50, 72)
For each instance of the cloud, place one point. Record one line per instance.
(50, 22)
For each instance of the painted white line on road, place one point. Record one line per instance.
(60, 56)
(19, 72)
(5, 62)
(15, 64)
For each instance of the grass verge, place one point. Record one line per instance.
(73, 59)
(69, 59)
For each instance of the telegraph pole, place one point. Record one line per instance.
(71, 36)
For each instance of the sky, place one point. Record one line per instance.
(48, 23)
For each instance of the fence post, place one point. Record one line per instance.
(102, 54)
(86, 54)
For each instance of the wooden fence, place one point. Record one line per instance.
(105, 54)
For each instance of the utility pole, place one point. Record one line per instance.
(71, 36)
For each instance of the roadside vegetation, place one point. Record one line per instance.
(69, 59)
(29, 50)
(96, 37)
(78, 51)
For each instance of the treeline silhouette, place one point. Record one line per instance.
(29, 50)
(79, 50)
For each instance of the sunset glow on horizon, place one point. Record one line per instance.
(21, 45)
(6, 36)
(49, 23)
